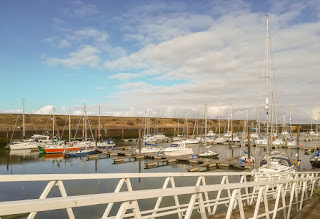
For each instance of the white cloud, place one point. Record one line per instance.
(224, 63)
(161, 28)
(45, 110)
(80, 9)
(123, 76)
(71, 37)
(87, 55)
(135, 85)
(84, 34)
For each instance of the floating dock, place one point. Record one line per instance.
(123, 155)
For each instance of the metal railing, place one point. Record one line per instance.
(269, 195)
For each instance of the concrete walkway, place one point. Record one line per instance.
(312, 208)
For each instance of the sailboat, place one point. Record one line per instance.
(208, 153)
(31, 143)
(177, 149)
(220, 139)
(273, 164)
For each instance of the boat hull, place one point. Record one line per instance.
(80, 153)
(177, 152)
(22, 145)
(59, 150)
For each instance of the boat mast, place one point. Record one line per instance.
(231, 119)
(258, 119)
(219, 121)
(187, 125)
(272, 129)
(145, 123)
(53, 123)
(69, 125)
(206, 120)
(99, 124)
(149, 123)
(276, 119)
(290, 120)
(267, 98)
(23, 123)
(157, 121)
(178, 125)
(85, 122)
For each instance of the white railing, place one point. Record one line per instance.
(276, 193)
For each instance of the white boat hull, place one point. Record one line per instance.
(177, 152)
(23, 145)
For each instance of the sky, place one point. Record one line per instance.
(169, 57)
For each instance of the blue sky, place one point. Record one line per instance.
(170, 56)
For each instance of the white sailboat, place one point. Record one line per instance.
(177, 149)
(273, 164)
(220, 139)
(31, 143)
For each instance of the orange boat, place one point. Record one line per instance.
(59, 150)
(50, 156)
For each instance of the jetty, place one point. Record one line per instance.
(127, 154)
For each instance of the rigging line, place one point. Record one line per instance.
(77, 128)
(14, 128)
(43, 132)
(90, 127)
(64, 127)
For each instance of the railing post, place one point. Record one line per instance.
(109, 206)
(64, 194)
(218, 196)
(43, 196)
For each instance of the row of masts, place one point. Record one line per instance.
(273, 128)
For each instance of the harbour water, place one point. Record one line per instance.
(32, 162)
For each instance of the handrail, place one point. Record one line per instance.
(26, 206)
(49, 177)
(297, 186)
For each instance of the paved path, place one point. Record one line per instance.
(312, 208)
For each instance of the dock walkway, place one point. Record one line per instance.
(196, 164)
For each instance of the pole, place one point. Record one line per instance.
(178, 126)
(122, 133)
(298, 135)
(95, 135)
(290, 121)
(69, 126)
(53, 124)
(272, 131)
(231, 134)
(7, 136)
(85, 122)
(23, 123)
(249, 143)
(187, 125)
(206, 120)
(99, 134)
(267, 98)
(219, 121)
(139, 140)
